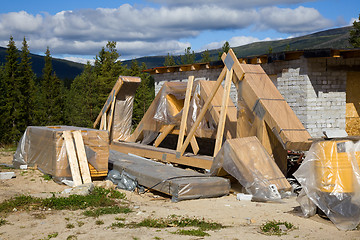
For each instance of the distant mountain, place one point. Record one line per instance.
(334, 38)
(65, 70)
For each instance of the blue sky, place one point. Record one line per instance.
(78, 29)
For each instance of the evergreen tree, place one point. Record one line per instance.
(188, 57)
(145, 93)
(225, 49)
(52, 95)
(82, 99)
(205, 56)
(26, 87)
(354, 38)
(9, 107)
(169, 60)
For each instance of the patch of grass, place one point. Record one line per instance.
(117, 225)
(153, 223)
(52, 235)
(99, 222)
(80, 223)
(10, 148)
(157, 238)
(120, 219)
(276, 228)
(99, 198)
(70, 225)
(39, 216)
(71, 237)
(116, 194)
(46, 177)
(106, 210)
(3, 222)
(191, 232)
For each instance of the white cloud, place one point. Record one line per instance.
(286, 20)
(235, 42)
(150, 30)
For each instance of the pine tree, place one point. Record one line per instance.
(52, 95)
(10, 102)
(188, 57)
(26, 87)
(82, 99)
(205, 56)
(354, 38)
(225, 49)
(169, 60)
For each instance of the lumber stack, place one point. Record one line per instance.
(45, 148)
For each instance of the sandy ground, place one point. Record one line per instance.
(243, 218)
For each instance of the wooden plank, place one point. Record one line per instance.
(73, 162)
(83, 162)
(163, 154)
(103, 122)
(223, 111)
(163, 134)
(203, 111)
(111, 114)
(185, 112)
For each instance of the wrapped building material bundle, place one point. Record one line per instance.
(330, 177)
(247, 161)
(44, 148)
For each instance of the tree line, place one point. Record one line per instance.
(30, 100)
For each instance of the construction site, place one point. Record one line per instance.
(238, 142)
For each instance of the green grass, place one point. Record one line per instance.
(71, 237)
(70, 226)
(99, 198)
(3, 222)
(117, 225)
(273, 228)
(46, 177)
(191, 232)
(99, 222)
(52, 235)
(106, 210)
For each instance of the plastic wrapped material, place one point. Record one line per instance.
(179, 183)
(330, 177)
(121, 128)
(307, 206)
(123, 180)
(247, 161)
(166, 109)
(44, 147)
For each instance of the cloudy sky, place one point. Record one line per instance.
(78, 29)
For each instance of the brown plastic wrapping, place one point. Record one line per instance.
(44, 148)
(330, 177)
(247, 161)
(179, 183)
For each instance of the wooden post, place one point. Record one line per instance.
(223, 111)
(203, 111)
(74, 166)
(185, 112)
(163, 135)
(111, 115)
(83, 162)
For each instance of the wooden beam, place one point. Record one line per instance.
(223, 112)
(73, 162)
(203, 111)
(163, 154)
(163, 134)
(185, 112)
(83, 162)
(111, 114)
(238, 69)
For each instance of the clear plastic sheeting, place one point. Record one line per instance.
(246, 160)
(166, 109)
(121, 128)
(330, 177)
(44, 148)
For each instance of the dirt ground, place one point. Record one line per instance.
(242, 218)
